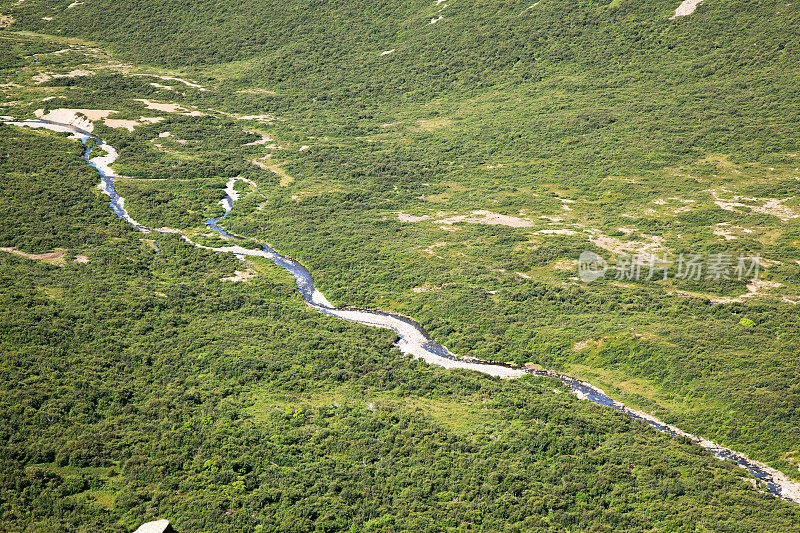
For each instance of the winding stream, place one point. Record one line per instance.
(413, 339)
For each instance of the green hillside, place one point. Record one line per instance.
(452, 171)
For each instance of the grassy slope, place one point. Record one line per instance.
(613, 108)
(138, 386)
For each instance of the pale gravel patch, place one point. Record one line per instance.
(174, 78)
(260, 164)
(387, 52)
(71, 116)
(47, 76)
(755, 288)
(687, 7)
(265, 138)
(255, 91)
(770, 206)
(170, 108)
(430, 250)
(427, 287)
(586, 343)
(490, 218)
(645, 251)
(80, 258)
(50, 256)
(122, 123)
(475, 217)
(241, 275)
(405, 217)
(259, 118)
(726, 230)
(566, 264)
(562, 231)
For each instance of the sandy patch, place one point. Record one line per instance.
(121, 123)
(80, 258)
(259, 118)
(241, 275)
(580, 345)
(756, 287)
(770, 206)
(387, 52)
(644, 250)
(163, 149)
(6, 21)
(427, 287)
(54, 258)
(48, 19)
(435, 20)
(169, 108)
(265, 138)
(405, 217)
(727, 231)
(430, 250)
(687, 7)
(151, 120)
(75, 4)
(173, 78)
(490, 218)
(255, 91)
(47, 76)
(80, 118)
(570, 265)
(41, 78)
(259, 163)
(562, 231)
(160, 86)
(476, 217)
(666, 201)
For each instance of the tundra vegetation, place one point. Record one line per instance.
(139, 385)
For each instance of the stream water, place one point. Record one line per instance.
(413, 338)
